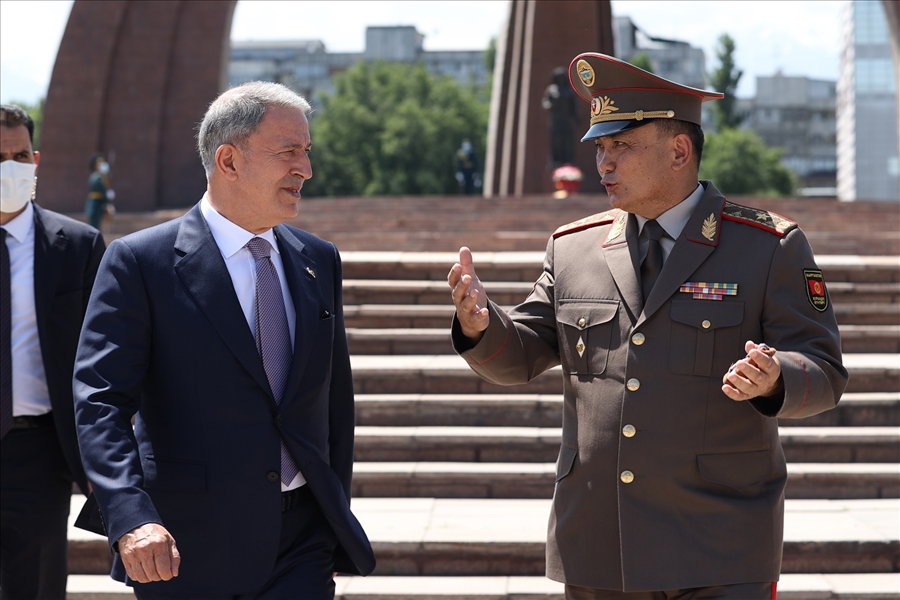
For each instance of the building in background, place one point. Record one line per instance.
(675, 60)
(309, 69)
(797, 114)
(868, 167)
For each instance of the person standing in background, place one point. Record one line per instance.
(100, 194)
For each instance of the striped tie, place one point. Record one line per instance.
(273, 338)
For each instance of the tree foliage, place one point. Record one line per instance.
(36, 112)
(725, 79)
(642, 61)
(739, 162)
(393, 128)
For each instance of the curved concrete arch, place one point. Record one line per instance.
(132, 79)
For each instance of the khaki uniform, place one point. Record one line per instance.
(663, 482)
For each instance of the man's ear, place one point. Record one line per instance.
(683, 151)
(225, 161)
(37, 159)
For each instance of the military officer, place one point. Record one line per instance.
(685, 325)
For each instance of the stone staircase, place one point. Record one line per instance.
(453, 475)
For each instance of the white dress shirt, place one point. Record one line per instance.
(672, 221)
(232, 242)
(29, 381)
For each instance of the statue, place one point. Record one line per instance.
(559, 99)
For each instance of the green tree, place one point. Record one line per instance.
(394, 129)
(36, 112)
(739, 162)
(725, 79)
(642, 61)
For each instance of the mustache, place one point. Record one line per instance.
(292, 182)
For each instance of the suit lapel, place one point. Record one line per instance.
(299, 270)
(697, 241)
(49, 256)
(620, 253)
(200, 266)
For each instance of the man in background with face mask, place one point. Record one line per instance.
(47, 267)
(100, 194)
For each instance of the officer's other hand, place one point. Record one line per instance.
(149, 553)
(756, 375)
(469, 296)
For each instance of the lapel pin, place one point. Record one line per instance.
(311, 272)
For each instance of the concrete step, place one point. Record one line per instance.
(541, 444)
(429, 536)
(419, 340)
(449, 374)
(536, 480)
(830, 586)
(867, 313)
(545, 410)
(526, 266)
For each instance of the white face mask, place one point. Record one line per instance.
(104, 167)
(16, 185)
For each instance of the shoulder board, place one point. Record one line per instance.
(763, 219)
(587, 222)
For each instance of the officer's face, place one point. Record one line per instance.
(272, 166)
(635, 168)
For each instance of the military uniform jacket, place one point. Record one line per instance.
(642, 393)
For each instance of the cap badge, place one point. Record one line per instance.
(603, 106)
(586, 72)
(709, 228)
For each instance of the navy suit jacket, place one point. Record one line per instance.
(66, 256)
(165, 341)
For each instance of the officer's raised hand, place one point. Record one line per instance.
(468, 296)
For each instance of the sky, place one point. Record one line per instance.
(795, 37)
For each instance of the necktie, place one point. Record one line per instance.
(273, 338)
(653, 262)
(6, 400)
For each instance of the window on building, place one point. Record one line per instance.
(875, 75)
(870, 25)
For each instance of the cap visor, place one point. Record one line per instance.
(613, 127)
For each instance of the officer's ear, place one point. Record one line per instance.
(682, 151)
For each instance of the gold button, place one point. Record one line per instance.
(633, 385)
(706, 324)
(581, 322)
(580, 347)
(638, 339)
(626, 476)
(629, 430)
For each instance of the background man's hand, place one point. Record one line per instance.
(468, 296)
(149, 553)
(756, 375)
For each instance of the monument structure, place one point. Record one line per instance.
(540, 35)
(132, 80)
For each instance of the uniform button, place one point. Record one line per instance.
(638, 339)
(273, 476)
(633, 385)
(582, 322)
(629, 430)
(626, 476)
(706, 324)
(279, 420)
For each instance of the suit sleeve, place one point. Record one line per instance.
(110, 363)
(519, 345)
(807, 341)
(97, 248)
(341, 411)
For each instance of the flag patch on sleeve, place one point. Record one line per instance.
(815, 289)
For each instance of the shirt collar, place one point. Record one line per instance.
(230, 237)
(21, 226)
(674, 219)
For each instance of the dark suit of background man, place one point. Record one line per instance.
(670, 479)
(235, 481)
(47, 267)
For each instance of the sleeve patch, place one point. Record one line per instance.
(815, 289)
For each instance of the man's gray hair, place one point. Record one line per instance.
(235, 115)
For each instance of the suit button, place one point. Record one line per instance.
(626, 476)
(273, 476)
(638, 339)
(706, 324)
(582, 322)
(279, 420)
(633, 385)
(629, 431)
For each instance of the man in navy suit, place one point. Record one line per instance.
(235, 479)
(47, 267)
